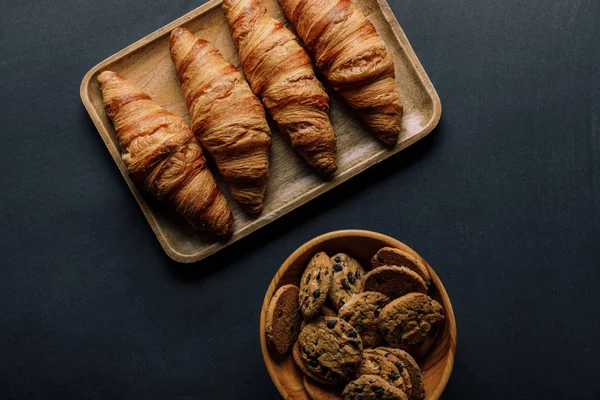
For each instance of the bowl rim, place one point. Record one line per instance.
(355, 233)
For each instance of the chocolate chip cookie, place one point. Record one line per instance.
(325, 311)
(368, 387)
(394, 281)
(318, 391)
(330, 348)
(417, 391)
(401, 258)
(410, 320)
(361, 311)
(314, 285)
(300, 363)
(283, 319)
(347, 279)
(375, 362)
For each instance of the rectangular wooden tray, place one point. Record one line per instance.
(292, 183)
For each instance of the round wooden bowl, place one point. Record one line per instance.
(436, 364)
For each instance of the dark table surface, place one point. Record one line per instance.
(502, 199)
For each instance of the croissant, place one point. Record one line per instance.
(163, 156)
(347, 49)
(280, 73)
(226, 117)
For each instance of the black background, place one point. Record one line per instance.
(502, 199)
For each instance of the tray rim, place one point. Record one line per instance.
(300, 200)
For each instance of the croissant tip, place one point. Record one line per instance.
(106, 75)
(175, 33)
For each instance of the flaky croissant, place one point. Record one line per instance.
(347, 49)
(163, 156)
(227, 117)
(280, 73)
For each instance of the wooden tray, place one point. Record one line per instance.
(292, 183)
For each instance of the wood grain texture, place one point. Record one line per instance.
(436, 364)
(292, 183)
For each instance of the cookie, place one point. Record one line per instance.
(417, 391)
(410, 320)
(314, 285)
(361, 311)
(325, 311)
(330, 348)
(283, 319)
(383, 364)
(318, 391)
(347, 279)
(300, 363)
(394, 281)
(401, 258)
(368, 387)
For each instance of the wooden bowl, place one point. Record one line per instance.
(436, 364)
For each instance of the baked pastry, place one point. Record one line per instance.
(374, 362)
(297, 356)
(162, 155)
(325, 312)
(282, 325)
(361, 311)
(411, 320)
(314, 285)
(347, 49)
(394, 281)
(318, 391)
(347, 279)
(280, 73)
(226, 117)
(369, 387)
(408, 363)
(330, 348)
(400, 258)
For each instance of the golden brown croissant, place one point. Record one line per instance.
(163, 156)
(280, 73)
(226, 117)
(347, 49)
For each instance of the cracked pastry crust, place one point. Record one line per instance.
(347, 49)
(162, 155)
(280, 73)
(226, 117)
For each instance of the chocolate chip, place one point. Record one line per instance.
(331, 323)
(399, 366)
(337, 259)
(351, 278)
(345, 284)
(377, 389)
(317, 293)
(354, 344)
(387, 355)
(337, 267)
(358, 389)
(393, 376)
(324, 370)
(307, 279)
(350, 368)
(313, 362)
(318, 276)
(380, 259)
(398, 330)
(352, 334)
(357, 274)
(341, 303)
